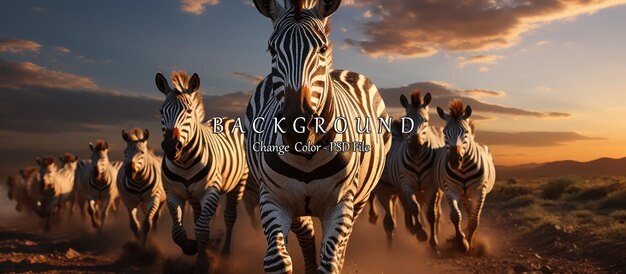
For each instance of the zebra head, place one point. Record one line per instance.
(458, 131)
(417, 111)
(181, 113)
(68, 161)
(301, 57)
(47, 174)
(136, 149)
(100, 159)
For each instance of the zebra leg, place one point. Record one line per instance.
(455, 216)
(389, 222)
(105, 212)
(154, 204)
(276, 222)
(134, 223)
(304, 230)
(478, 201)
(433, 214)
(230, 215)
(176, 207)
(155, 219)
(91, 209)
(337, 227)
(251, 201)
(373, 213)
(209, 204)
(413, 207)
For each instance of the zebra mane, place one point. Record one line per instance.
(456, 108)
(136, 134)
(416, 98)
(47, 160)
(101, 145)
(68, 157)
(180, 79)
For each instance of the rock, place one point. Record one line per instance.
(521, 268)
(537, 256)
(546, 269)
(71, 253)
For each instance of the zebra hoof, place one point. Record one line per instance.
(421, 235)
(190, 247)
(463, 245)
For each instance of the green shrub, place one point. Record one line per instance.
(555, 188)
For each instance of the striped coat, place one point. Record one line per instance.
(332, 185)
(465, 171)
(98, 180)
(139, 182)
(200, 164)
(55, 186)
(409, 170)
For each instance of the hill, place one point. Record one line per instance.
(598, 167)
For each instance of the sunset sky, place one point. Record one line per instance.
(546, 78)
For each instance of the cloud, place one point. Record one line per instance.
(481, 92)
(367, 14)
(197, 7)
(483, 69)
(63, 50)
(478, 59)
(18, 46)
(542, 43)
(544, 89)
(254, 79)
(419, 28)
(17, 75)
(443, 92)
(531, 139)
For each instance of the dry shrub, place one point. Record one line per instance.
(555, 188)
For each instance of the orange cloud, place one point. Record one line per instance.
(254, 79)
(16, 75)
(197, 7)
(18, 46)
(478, 59)
(419, 28)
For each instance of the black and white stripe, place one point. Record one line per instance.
(199, 164)
(465, 171)
(55, 186)
(97, 178)
(409, 169)
(139, 182)
(331, 185)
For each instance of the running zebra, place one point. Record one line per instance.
(465, 171)
(139, 182)
(199, 164)
(329, 184)
(56, 186)
(19, 188)
(97, 179)
(410, 169)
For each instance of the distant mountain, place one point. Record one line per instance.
(598, 167)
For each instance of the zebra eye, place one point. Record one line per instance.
(323, 49)
(271, 50)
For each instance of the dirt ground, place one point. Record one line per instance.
(73, 246)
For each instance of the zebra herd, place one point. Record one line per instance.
(418, 168)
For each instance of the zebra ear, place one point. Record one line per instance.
(146, 134)
(194, 83)
(326, 8)
(162, 84)
(125, 136)
(404, 101)
(269, 8)
(91, 146)
(442, 114)
(427, 99)
(468, 112)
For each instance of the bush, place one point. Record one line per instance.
(555, 188)
(594, 193)
(617, 201)
(511, 191)
(522, 201)
(619, 215)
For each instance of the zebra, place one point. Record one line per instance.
(199, 164)
(139, 181)
(55, 186)
(409, 170)
(19, 188)
(97, 179)
(465, 171)
(329, 184)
